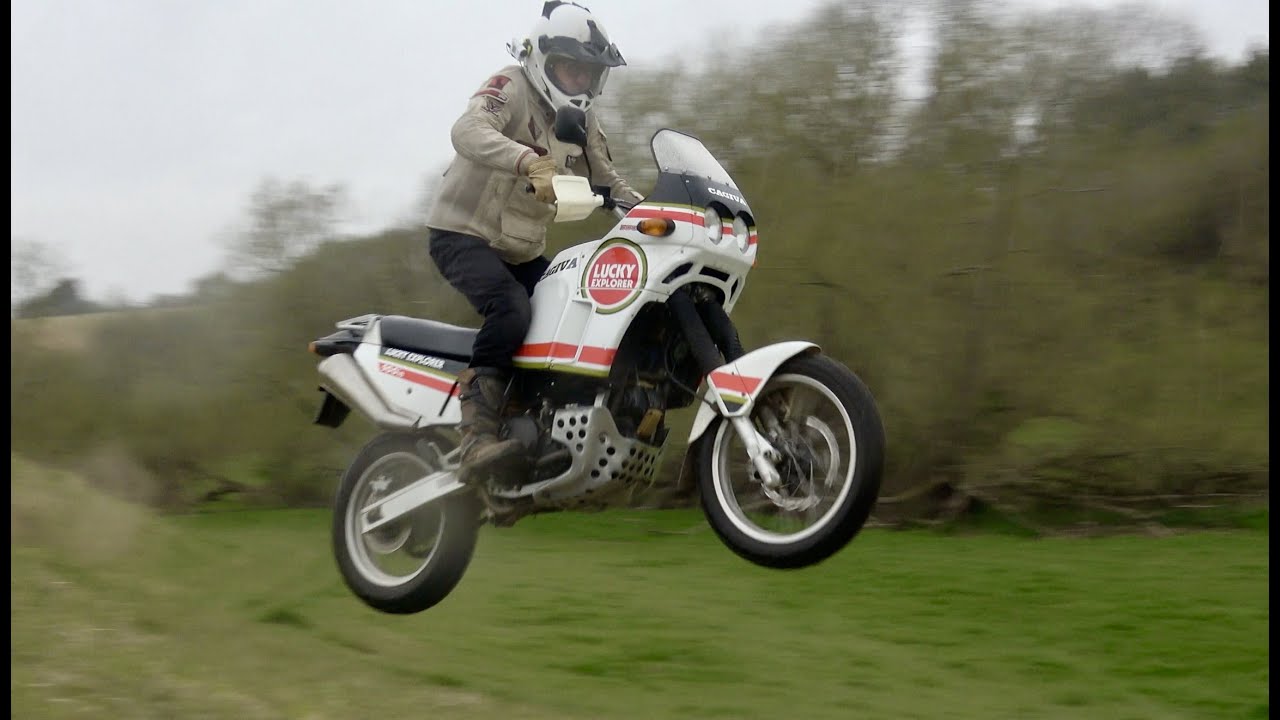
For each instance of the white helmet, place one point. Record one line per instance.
(566, 32)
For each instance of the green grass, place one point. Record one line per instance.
(116, 613)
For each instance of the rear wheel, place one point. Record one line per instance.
(413, 562)
(823, 421)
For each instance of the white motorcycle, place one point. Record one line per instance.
(787, 444)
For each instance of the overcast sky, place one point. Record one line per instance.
(140, 127)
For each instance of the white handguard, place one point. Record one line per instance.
(574, 198)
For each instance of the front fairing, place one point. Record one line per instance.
(697, 192)
(688, 174)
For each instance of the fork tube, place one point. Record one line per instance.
(695, 331)
(721, 328)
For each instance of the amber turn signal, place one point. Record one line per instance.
(657, 227)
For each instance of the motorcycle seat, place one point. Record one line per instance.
(428, 337)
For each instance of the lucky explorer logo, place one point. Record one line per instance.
(615, 276)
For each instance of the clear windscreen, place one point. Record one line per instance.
(681, 154)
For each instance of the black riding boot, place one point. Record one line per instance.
(481, 393)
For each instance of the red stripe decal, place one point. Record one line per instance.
(565, 351)
(735, 383)
(597, 356)
(688, 216)
(434, 383)
(547, 350)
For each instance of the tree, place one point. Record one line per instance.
(63, 299)
(286, 221)
(33, 267)
(214, 287)
(819, 94)
(999, 84)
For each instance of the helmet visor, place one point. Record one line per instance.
(596, 50)
(574, 77)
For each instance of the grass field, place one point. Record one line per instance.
(117, 613)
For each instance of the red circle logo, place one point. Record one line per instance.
(614, 275)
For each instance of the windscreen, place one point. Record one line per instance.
(681, 154)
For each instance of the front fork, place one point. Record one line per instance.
(711, 334)
(763, 454)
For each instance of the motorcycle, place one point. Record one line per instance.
(787, 445)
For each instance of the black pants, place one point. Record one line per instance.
(497, 290)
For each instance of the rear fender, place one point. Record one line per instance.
(732, 388)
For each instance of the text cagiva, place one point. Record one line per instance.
(562, 265)
(727, 196)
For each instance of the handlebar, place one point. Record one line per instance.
(619, 209)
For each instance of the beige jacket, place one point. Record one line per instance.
(506, 125)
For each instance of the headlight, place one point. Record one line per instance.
(711, 221)
(741, 233)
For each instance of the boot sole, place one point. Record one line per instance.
(509, 469)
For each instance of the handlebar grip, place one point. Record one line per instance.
(605, 192)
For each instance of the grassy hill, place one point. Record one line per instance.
(117, 612)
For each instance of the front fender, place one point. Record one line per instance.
(732, 388)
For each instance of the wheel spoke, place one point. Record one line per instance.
(398, 550)
(801, 404)
(819, 451)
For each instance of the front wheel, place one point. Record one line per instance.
(412, 563)
(824, 424)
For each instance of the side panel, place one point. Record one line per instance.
(343, 377)
(421, 386)
(558, 313)
(733, 388)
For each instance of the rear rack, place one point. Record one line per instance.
(358, 323)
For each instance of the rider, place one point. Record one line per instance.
(488, 224)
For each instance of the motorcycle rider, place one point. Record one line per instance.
(488, 223)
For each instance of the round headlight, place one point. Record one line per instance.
(711, 221)
(740, 233)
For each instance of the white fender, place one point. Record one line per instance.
(732, 388)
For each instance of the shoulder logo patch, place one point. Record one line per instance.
(493, 88)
